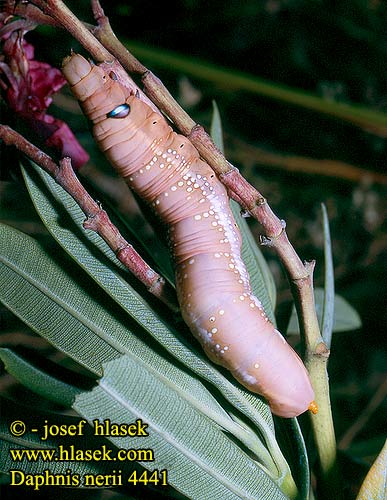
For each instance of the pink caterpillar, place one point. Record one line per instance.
(211, 279)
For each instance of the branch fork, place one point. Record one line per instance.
(102, 44)
(97, 219)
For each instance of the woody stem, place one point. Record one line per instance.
(102, 44)
(300, 274)
(96, 218)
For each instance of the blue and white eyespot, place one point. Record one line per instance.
(120, 111)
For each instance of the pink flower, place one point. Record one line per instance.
(27, 86)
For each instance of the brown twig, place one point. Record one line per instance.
(28, 11)
(96, 218)
(251, 155)
(104, 33)
(300, 274)
(250, 198)
(252, 201)
(373, 404)
(63, 15)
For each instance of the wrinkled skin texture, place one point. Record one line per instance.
(212, 282)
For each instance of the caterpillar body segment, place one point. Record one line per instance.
(212, 282)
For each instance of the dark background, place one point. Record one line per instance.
(336, 50)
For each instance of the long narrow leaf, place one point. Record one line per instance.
(261, 278)
(49, 202)
(31, 442)
(37, 380)
(237, 80)
(216, 128)
(374, 486)
(201, 461)
(328, 312)
(42, 294)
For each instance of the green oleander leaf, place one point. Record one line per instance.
(202, 462)
(345, 316)
(85, 326)
(374, 486)
(261, 278)
(37, 380)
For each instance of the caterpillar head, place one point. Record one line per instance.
(75, 68)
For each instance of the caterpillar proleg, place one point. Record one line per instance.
(212, 282)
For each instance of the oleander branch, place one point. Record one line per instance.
(102, 44)
(96, 218)
(300, 274)
(249, 197)
(105, 46)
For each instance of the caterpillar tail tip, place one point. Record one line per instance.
(313, 407)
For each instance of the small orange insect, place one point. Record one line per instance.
(212, 282)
